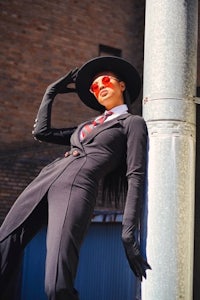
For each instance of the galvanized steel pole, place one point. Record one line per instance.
(170, 66)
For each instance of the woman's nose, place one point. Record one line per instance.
(101, 86)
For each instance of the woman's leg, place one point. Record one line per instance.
(68, 222)
(11, 251)
(10, 263)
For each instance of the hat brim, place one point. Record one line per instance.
(117, 65)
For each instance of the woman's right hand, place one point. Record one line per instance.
(61, 85)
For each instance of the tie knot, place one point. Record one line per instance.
(102, 118)
(108, 113)
(99, 120)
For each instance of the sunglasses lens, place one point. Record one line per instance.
(105, 79)
(94, 87)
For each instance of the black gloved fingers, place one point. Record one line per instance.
(137, 269)
(137, 263)
(70, 77)
(74, 74)
(70, 90)
(138, 266)
(147, 266)
(60, 86)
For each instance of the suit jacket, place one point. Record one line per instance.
(101, 152)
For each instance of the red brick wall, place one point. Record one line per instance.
(41, 41)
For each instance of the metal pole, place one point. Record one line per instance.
(170, 65)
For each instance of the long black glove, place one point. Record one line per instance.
(42, 127)
(136, 262)
(61, 85)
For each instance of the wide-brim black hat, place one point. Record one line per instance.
(122, 68)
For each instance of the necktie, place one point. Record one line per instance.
(90, 126)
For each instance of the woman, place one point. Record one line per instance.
(67, 188)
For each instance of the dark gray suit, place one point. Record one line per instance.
(69, 186)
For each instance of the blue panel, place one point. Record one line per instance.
(104, 269)
(103, 272)
(33, 269)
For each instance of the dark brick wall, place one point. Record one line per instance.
(41, 41)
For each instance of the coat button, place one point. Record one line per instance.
(75, 153)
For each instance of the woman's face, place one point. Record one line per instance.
(108, 90)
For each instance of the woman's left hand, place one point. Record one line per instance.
(136, 262)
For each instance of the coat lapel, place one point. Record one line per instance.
(76, 136)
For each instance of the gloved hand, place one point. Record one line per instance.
(60, 86)
(136, 262)
(42, 126)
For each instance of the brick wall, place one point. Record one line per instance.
(41, 41)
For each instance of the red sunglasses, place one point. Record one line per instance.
(94, 88)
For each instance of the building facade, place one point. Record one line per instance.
(40, 42)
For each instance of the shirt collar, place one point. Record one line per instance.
(120, 109)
